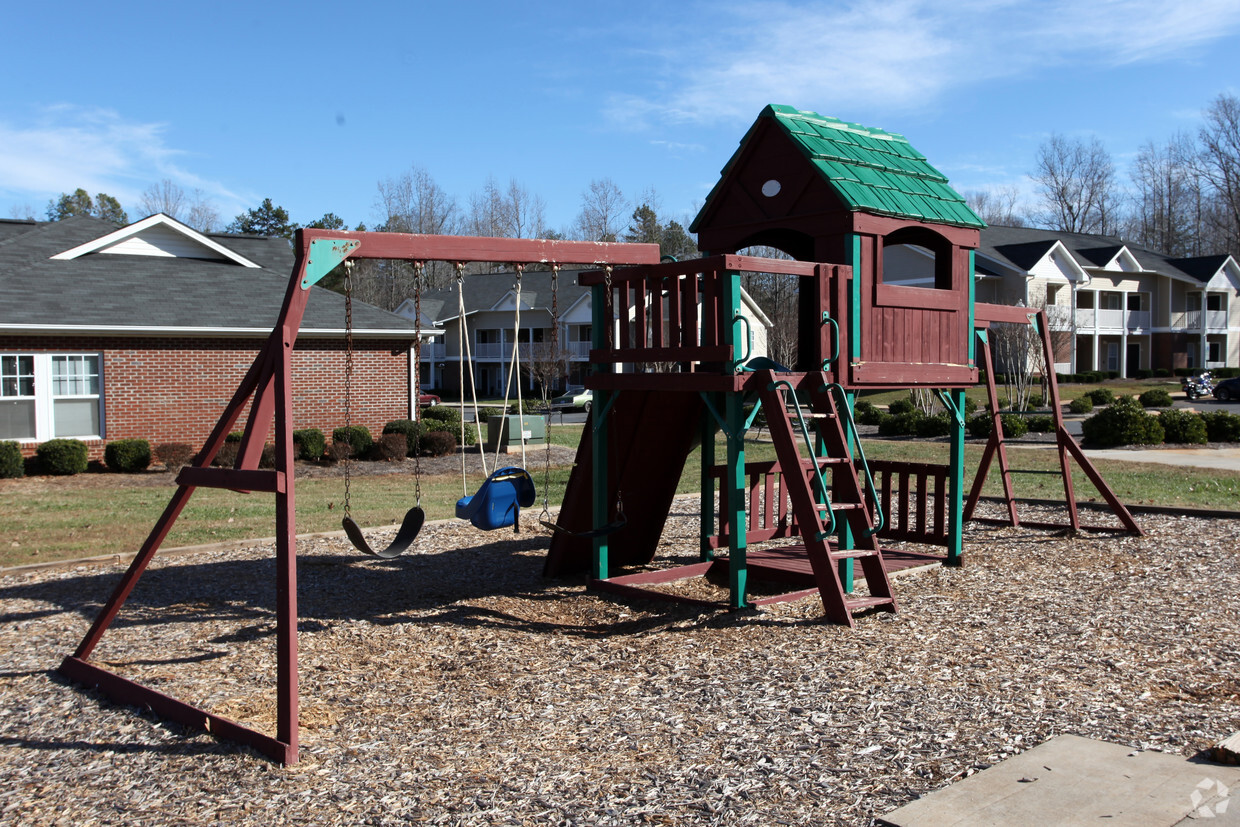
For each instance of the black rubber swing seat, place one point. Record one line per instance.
(589, 534)
(409, 528)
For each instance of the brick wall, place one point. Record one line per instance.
(173, 389)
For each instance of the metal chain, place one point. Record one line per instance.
(419, 270)
(555, 356)
(348, 378)
(607, 284)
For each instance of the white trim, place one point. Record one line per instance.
(120, 330)
(1122, 257)
(158, 219)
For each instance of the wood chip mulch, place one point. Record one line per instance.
(456, 686)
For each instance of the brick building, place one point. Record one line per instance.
(147, 330)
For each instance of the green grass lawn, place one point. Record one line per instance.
(56, 518)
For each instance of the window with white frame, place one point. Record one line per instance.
(49, 395)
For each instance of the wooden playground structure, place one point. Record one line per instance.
(676, 371)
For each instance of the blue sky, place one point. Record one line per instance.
(311, 104)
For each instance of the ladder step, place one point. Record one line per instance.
(808, 464)
(852, 553)
(792, 415)
(857, 603)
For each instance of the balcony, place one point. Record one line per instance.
(1088, 318)
(1193, 319)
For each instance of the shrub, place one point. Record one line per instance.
(1101, 396)
(870, 414)
(901, 424)
(1162, 373)
(392, 447)
(1155, 398)
(1014, 425)
(11, 463)
(1183, 427)
(174, 454)
(970, 406)
(128, 456)
(980, 426)
(448, 419)
(1041, 423)
(438, 443)
(938, 425)
(863, 408)
(901, 406)
(267, 459)
(410, 430)
(309, 443)
(235, 436)
(226, 457)
(1122, 423)
(486, 413)
(357, 437)
(1222, 426)
(1081, 405)
(62, 457)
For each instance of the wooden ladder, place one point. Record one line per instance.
(820, 509)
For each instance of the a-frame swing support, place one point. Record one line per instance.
(267, 389)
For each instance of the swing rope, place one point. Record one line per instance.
(512, 368)
(419, 273)
(348, 380)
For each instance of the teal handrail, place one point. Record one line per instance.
(880, 521)
(822, 482)
(835, 340)
(739, 363)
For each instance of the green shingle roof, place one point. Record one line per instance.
(873, 171)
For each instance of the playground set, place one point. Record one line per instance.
(672, 369)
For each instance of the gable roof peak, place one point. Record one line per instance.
(156, 235)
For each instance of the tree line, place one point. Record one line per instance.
(1182, 196)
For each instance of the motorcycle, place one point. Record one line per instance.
(1198, 386)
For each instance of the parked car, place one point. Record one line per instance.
(1228, 389)
(573, 399)
(428, 400)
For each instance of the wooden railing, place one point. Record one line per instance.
(913, 496)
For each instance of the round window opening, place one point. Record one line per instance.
(771, 188)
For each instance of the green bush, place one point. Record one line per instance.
(1014, 425)
(235, 436)
(486, 413)
(1101, 396)
(871, 415)
(438, 443)
(128, 456)
(1222, 426)
(1155, 398)
(309, 444)
(1081, 405)
(970, 406)
(357, 437)
(174, 454)
(1162, 373)
(1124, 422)
(226, 457)
(901, 424)
(12, 465)
(863, 408)
(1041, 423)
(1183, 427)
(62, 457)
(411, 430)
(980, 426)
(938, 425)
(445, 418)
(901, 406)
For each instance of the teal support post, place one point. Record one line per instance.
(955, 482)
(738, 572)
(601, 305)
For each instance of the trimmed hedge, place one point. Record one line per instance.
(62, 457)
(1222, 426)
(12, 465)
(901, 406)
(1081, 405)
(980, 426)
(1101, 396)
(438, 444)
(1183, 427)
(445, 418)
(1155, 398)
(174, 454)
(392, 447)
(309, 444)
(127, 456)
(1041, 423)
(1123, 423)
(357, 437)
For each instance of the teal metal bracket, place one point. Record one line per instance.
(880, 521)
(325, 256)
(602, 415)
(721, 421)
(956, 413)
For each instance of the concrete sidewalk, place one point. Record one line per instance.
(1226, 459)
(1070, 780)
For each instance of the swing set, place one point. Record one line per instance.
(266, 392)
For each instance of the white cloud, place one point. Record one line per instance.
(66, 147)
(903, 54)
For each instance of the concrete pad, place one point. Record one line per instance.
(1226, 459)
(1071, 780)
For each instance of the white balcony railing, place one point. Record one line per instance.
(1216, 319)
(1088, 318)
(1186, 320)
(578, 350)
(1085, 317)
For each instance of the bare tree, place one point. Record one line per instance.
(1167, 197)
(193, 209)
(603, 213)
(1077, 183)
(997, 206)
(776, 294)
(22, 212)
(413, 203)
(1219, 164)
(527, 212)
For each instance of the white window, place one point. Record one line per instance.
(49, 395)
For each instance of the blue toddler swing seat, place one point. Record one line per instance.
(499, 501)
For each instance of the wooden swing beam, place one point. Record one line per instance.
(267, 389)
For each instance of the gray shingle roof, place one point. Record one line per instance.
(96, 291)
(482, 292)
(1022, 247)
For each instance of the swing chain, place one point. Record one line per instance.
(348, 377)
(607, 285)
(555, 355)
(419, 270)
